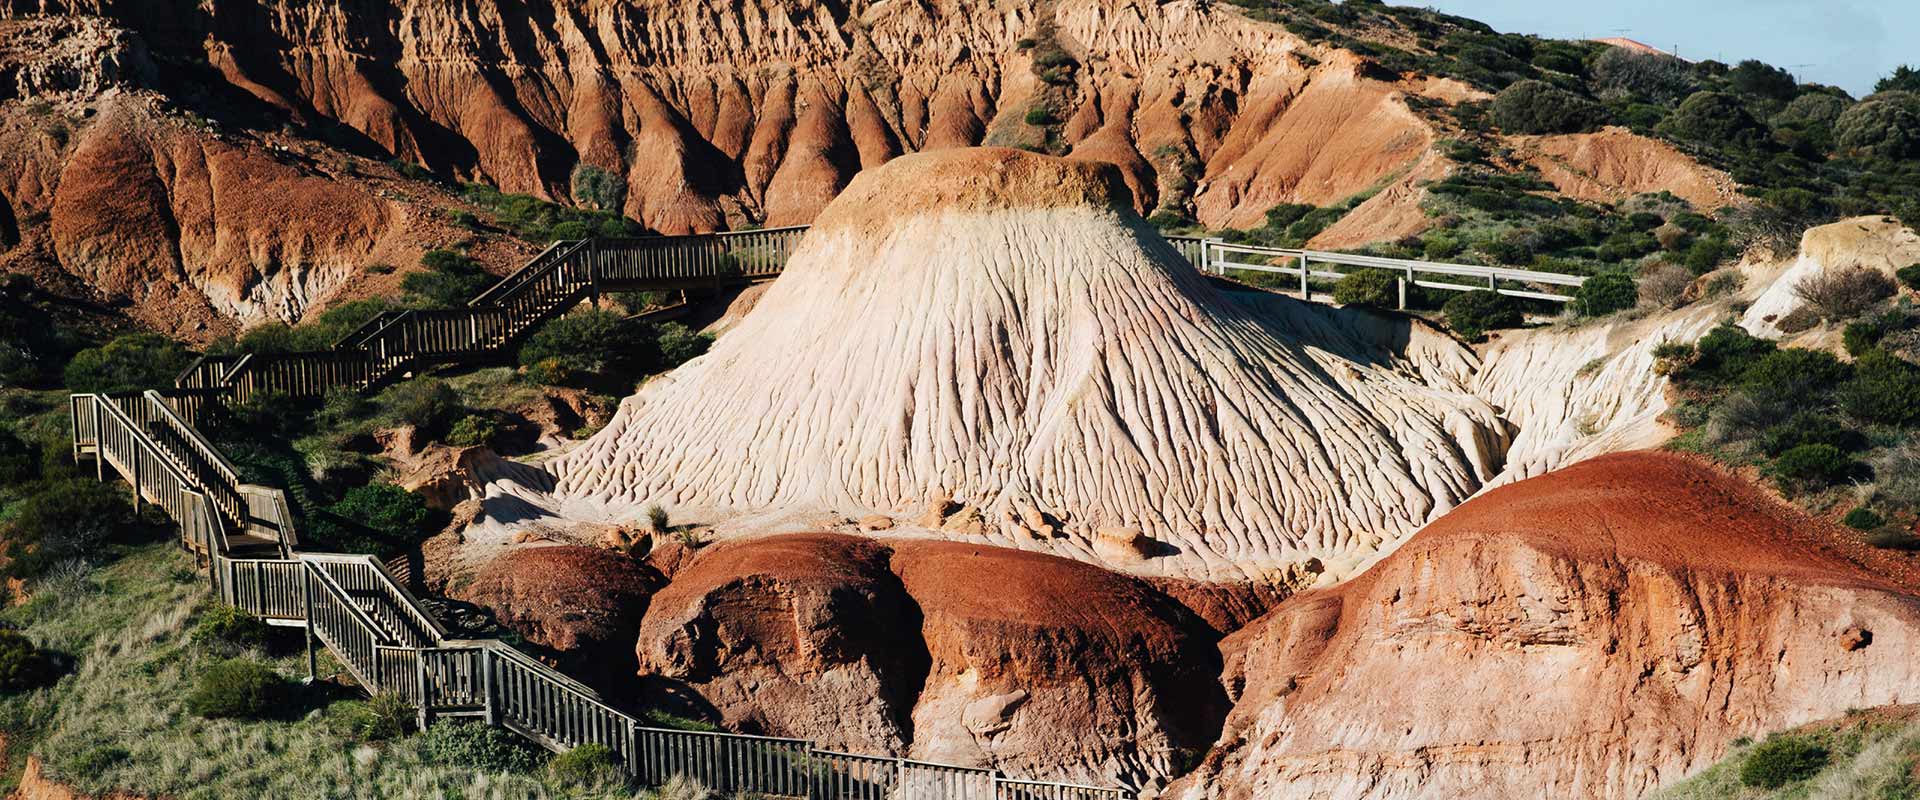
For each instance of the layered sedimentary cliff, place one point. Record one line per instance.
(110, 192)
(1596, 632)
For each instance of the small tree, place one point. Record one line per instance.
(1713, 118)
(1886, 125)
(1541, 107)
(1656, 76)
(1759, 79)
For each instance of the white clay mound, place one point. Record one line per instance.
(999, 326)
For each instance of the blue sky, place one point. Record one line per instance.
(1847, 43)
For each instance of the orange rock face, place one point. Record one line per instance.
(960, 653)
(717, 112)
(1595, 632)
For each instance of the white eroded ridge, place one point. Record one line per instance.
(1061, 357)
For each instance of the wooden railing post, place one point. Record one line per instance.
(1305, 292)
(306, 601)
(488, 709)
(420, 685)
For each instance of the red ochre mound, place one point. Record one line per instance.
(1595, 632)
(584, 602)
(969, 654)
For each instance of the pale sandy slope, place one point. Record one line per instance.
(993, 325)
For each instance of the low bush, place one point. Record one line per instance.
(1805, 428)
(381, 718)
(1794, 373)
(1886, 125)
(23, 666)
(472, 430)
(1813, 466)
(1472, 314)
(1844, 294)
(1371, 288)
(1605, 294)
(450, 280)
(233, 626)
(604, 189)
(62, 520)
(238, 689)
(1883, 390)
(378, 518)
(1665, 286)
(1863, 519)
(133, 362)
(426, 404)
(1782, 759)
(584, 765)
(478, 746)
(1910, 275)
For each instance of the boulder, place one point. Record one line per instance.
(583, 603)
(805, 635)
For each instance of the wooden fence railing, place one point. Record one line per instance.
(1219, 258)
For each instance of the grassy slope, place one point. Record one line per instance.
(1874, 758)
(118, 720)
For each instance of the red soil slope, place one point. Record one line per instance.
(1595, 632)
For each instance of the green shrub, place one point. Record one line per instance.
(1863, 519)
(134, 362)
(428, 405)
(450, 281)
(97, 759)
(1541, 107)
(1883, 390)
(605, 190)
(239, 689)
(19, 461)
(472, 430)
(1794, 372)
(22, 665)
(1806, 428)
(1725, 353)
(381, 718)
(1910, 275)
(232, 626)
(1472, 314)
(1040, 116)
(1605, 294)
(1373, 288)
(1759, 79)
(391, 513)
(63, 520)
(1713, 117)
(585, 764)
(478, 746)
(1813, 466)
(1886, 125)
(1782, 759)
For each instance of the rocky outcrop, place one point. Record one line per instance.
(1878, 243)
(1597, 632)
(580, 602)
(806, 635)
(958, 653)
(1062, 365)
(1614, 164)
(1044, 666)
